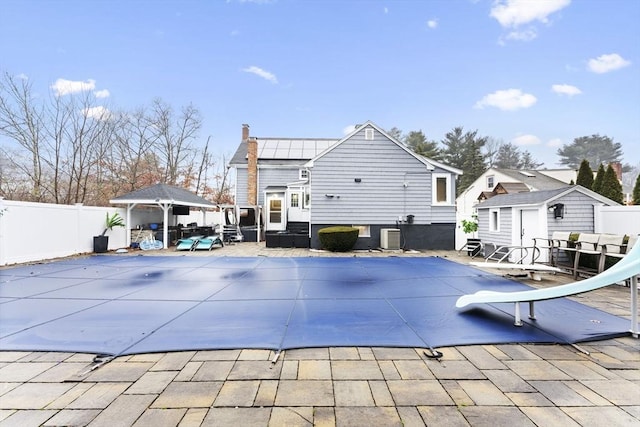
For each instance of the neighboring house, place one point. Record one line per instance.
(515, 219)
(366, 179)
(511, 181)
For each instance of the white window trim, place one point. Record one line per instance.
(303, 174)
(494, 226)
(493, 184)
(434, 189)
(368, 134)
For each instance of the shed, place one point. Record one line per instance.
(517, 218)
(164, 197)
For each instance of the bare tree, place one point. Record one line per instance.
(175, 136)
(21, 120)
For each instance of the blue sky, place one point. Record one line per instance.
(535, 73)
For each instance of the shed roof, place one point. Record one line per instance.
(540, 197)
(163, 193)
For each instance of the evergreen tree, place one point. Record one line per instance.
(585, 175)
(597, 182)
(611, 187)
(464, 151)
(595, 148)
(418, 143)
(636, 191)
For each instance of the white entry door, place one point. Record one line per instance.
(529, 228)
(275, 212)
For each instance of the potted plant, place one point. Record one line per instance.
(473, 243)
(101, 242)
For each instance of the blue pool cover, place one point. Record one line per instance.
(138, 304)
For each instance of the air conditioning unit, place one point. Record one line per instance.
(390, 238)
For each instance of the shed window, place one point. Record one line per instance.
(494, 220)
(368, 134)
(441, 189)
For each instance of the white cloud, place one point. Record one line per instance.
(509, 100)
(64, 87)
(104, 93)
(606, 63)
(526, 140)
(432, 23)
(97, 113)
(386, 10)
(555, 142)
(513, 13)
(523, 36)
(22, 76)
(261, 73)
(566, 90)
(347, 130)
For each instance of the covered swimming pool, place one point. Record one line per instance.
(120, 305)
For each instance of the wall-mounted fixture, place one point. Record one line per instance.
(329, 196)
(357, 180)
(405, 184)
(558, 210)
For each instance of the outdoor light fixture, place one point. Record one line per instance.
(558, 210)
(357, 180)
(329, 196)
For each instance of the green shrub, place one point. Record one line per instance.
(338, 239)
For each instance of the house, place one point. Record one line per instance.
(367, 180)
(499, 181)
(515, 219)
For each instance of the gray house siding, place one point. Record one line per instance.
(241, 186)
(275, 178)
(376, 183)
(501, 237)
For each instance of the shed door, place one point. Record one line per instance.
(529, 228)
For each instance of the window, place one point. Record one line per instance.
(494, 220)
(307, 200)
(490, 184)
(363, 230)
(304, 174)
(441, 189)
(368, 134)
(295, 200)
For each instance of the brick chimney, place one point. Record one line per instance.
(617, 168)
(252, 166)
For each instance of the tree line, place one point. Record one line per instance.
(474, 154)
(68, 149)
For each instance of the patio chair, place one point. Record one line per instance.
(207, 243)
(188, 243)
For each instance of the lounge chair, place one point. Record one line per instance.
(627, 268)
(188, 243)
(207, 243)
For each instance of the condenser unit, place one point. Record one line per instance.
(390, 238)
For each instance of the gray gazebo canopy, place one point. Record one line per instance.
(163, 196)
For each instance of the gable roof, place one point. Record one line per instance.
(510, 187)
(163, 194)
(540, 197)
(534, 179)
(429, 163)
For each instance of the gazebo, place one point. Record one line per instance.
(164, 197)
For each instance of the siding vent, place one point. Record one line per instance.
(368, 134)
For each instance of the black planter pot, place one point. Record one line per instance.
(100, 244)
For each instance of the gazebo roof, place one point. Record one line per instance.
(163, 194)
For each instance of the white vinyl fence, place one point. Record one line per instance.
(39, 231)
(617, 219)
